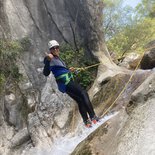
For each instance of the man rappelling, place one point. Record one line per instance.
(66, 83)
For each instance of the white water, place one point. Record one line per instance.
(66, 145)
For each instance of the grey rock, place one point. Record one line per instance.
(144, 91)
(137, 135)
(130, 61)
(20, 138)
(148, 61)
(129, 134)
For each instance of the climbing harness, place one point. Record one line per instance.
(65, 78)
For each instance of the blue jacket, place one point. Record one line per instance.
(58, 68)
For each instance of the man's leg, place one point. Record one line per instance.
(72, 93)
(82, 96)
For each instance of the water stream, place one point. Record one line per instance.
(66, 145)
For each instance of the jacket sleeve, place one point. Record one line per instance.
(46, 70)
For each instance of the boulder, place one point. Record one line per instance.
(137, 136)
(148, 61)
(20, 138)
(130, 61)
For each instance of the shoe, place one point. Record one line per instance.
(88, 123)
(95, 119)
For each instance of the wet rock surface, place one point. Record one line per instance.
(137, 135)
(130, 131)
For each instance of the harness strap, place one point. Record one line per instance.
(65, 77)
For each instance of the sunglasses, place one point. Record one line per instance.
(54, 48)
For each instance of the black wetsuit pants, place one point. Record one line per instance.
(80, 95)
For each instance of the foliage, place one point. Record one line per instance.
(146, 9)
(115, 17)
(9, 53)
(132, 37)
(129, 29)
(77, 59)
(25, 43)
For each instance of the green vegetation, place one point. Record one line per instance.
(25, 43)
(127, 29)
(10, 52)
(77, 59)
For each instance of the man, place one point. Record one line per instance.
(66, 84)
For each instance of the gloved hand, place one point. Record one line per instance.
(77, 70)
(72, 69)
(49, 56)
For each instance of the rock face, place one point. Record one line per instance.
(72, 22)
(131, 131)
(35, 113)
(131, 61)
(148, 61)
(137, 136)
(44, 20)
(50, 112)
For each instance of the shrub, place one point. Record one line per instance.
(10, 52)
(77, 59)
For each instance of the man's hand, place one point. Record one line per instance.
(49, 56)
(72, 69)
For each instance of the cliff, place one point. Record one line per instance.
(36, 119)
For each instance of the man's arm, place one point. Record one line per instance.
(46, 70)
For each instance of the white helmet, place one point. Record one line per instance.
(52, 43)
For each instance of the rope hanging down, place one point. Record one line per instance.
(124, 88)
(133, 73)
